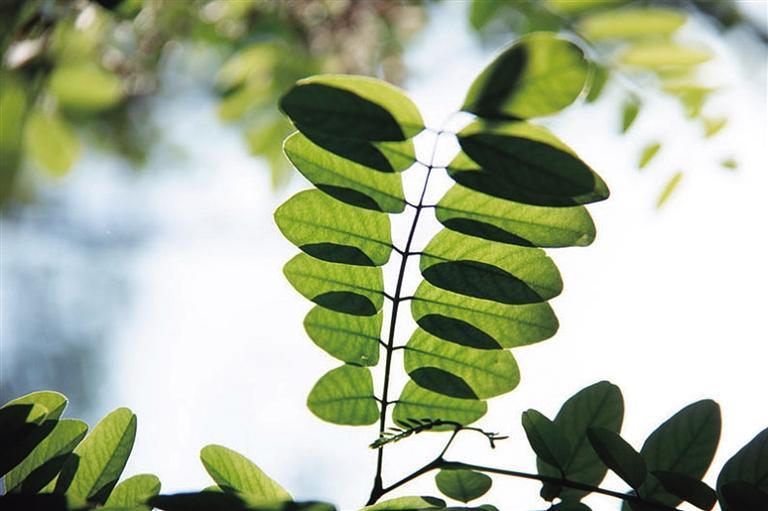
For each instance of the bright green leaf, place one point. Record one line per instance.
(655, 55)
(350, 289)
(525, 163)
(233, 472)
(333, 231)
(54, 402)
(345, 396)
(134, 491)
(349, 338)
(416, 402)
(51, 142)
(481, 12)
(481, 323)
(629, 112)
(618, 455)
(492, 271)
(343, 179)
(459, 371)
(597, 83)
(47, 459)
(354, 107)
(687, 488)
(539, 74)
(254, 61)
(669, 189)
(85, 87)
(463, 485)
(481, 215)
(546, 439)
(713, 125)
(631, 23)
(749, 465)
(407, 504)
(649, 152)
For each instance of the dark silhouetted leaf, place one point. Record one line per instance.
(345, 396)
(22, 428)
(463, 485)
(546, 439)
(618, 455)
(749, 465)
(687, 488)
(741, 496)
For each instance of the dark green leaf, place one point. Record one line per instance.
(618, 455)
(749, 465)
(354, 107)
(687, 488)
(487, 217)
(490, 324)
(202, 501)
(233, 472)
(463, 485)
(539, 74)
(350, 289)
(741, 496)
(381, 156)
(492, 271)
(22, 428)
(416, 402)
(459, 371)
(333, 231)
(546, 439)
(525, 163)
(345, 396)
(349, 338)
(134, 491)
(343, 179)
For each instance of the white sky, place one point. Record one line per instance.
(215, 352)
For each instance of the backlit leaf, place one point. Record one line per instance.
(669, 189)
(463, 485)
(51, 142)
(345, 396)
(134, 492)
(539, 74)
(233, 472)
(340, 287)
(525, 163)
(407, 504)
(546, 439)
(618, 455)
(481, 215)
(649, 152)
(655, 55)
(629, 112)
(23, 426)
(416, 402)
(749, 465)
(355, 107)
(459, 371)
(349, 338)
(333, 231)
(631, 23)
(492, 271)
(85, 87)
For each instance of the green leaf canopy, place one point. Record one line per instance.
(345, 396)
(525, 163)
(538, 75)
(333, 231)
(234, 473)
(463, 485)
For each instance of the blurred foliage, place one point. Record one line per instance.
(76, 70)
(638, 45)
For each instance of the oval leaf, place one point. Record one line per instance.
(416, 402)
(349, 338)
(462, 484)
(539, 74)
(85, 87)
(658, 55)
(546, 439)
(435, 364)
(407, 504)
(525, 163)
(134, 492)
(618, 455)
(687, 488)
(51, 142)
(492, 271)
(350, 289)
(749, 465)
(354, 107)
(333, 231)
(632, 23)
(345, 396)
(486, 217)
(233, 472)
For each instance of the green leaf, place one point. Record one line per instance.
(416, 402)
(539, 74)
(684, 444)
(546, 439)
(233, 472)
(459, 371)
(649, 152)
(487, 324)
(463, 485)
(345, 180)
(687, 488)
(658, 55)
(631, 23)
(741, 496)
(492, 271)
(100, 459)
(618, 455)
(481, 215)
(23, 426)
(355, 107)
(349, 338)
(47, 459)
(134, 491)
(54, 402)
(481, 12)
(713, 125)
(51, 142)
(85, 87)
(333, 231)
(629, 112)
(669, 189)
(345, 396)
(598, 405)
(407, 504)
(597, 84)
(525, 163)
(350, 289)
(749, 465)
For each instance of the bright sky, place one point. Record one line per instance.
(669, 305)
